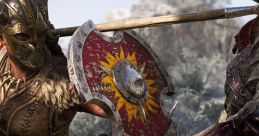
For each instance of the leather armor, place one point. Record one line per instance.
(241, 115)
(241, 86)
(42, 111)
(242, 73)
(237, 94)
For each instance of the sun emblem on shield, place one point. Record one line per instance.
(128, 82)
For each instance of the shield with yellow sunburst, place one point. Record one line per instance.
(121, 73)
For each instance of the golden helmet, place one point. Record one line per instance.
(23, 25)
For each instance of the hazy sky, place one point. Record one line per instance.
(237, 3)
(242, 2)
(64, 13)
(75, 12)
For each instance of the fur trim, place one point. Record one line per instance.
(54, 92)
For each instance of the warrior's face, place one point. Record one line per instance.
(25, 33)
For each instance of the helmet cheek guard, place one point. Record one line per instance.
(4, 15)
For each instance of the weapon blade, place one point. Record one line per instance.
(166, 20)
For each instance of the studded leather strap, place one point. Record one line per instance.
(40, 78)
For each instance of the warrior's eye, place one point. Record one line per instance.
(22, 37)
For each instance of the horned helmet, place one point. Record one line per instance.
(24, 27)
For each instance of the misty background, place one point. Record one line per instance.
(195, 54)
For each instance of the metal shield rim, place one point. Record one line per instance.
(118, 37)
(76, 73)
(76, 70)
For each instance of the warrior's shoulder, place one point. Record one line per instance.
(54, 91)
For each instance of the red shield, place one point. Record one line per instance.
(122, 73)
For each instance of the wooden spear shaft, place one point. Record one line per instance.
(165, 20)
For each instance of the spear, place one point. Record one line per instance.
(225, 13)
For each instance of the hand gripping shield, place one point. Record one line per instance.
(123, 74)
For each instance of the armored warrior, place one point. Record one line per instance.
(241, 114)
(36, 97)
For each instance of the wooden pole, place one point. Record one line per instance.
(165, 20)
